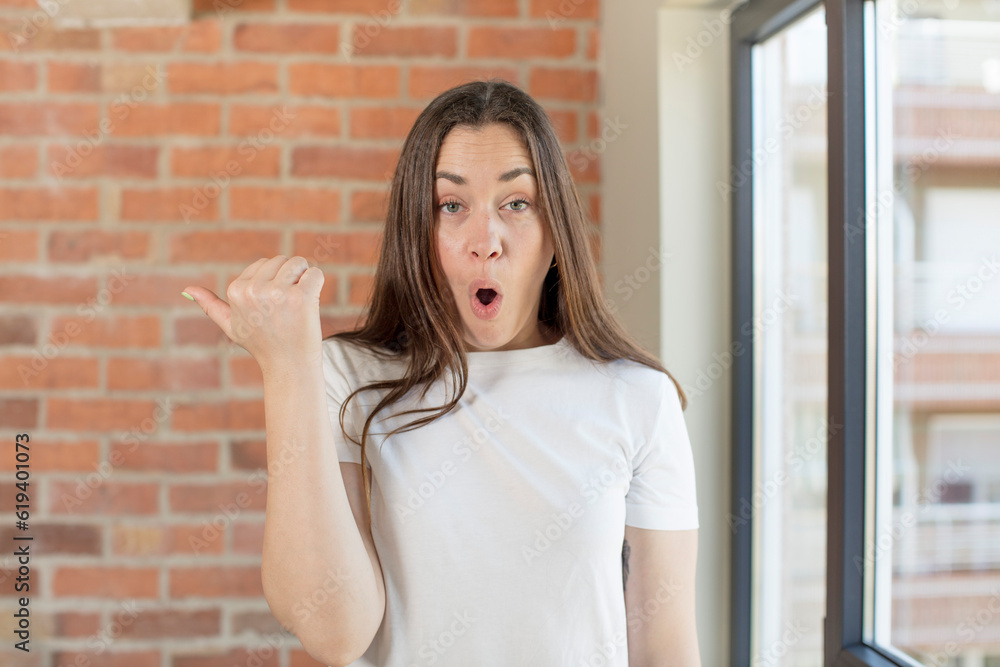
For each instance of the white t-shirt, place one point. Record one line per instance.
(499, 526)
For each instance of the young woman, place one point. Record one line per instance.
(544, 512)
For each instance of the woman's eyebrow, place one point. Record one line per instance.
(504, 177)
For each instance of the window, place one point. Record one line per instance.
(877, 215)
(934, 556)
(789, 207)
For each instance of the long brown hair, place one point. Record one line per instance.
(412, 314)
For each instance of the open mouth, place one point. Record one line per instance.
(486, 296)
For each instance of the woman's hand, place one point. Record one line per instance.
(273, 312)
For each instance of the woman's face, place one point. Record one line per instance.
(489, 228)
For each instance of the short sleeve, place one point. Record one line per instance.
(661, 494)
(336, 371)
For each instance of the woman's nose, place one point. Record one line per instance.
(485, 238)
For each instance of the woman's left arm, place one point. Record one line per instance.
(658, 572)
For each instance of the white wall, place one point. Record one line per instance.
(659, 192)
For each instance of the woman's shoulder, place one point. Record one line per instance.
(642, 384)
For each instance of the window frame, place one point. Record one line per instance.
(847, 356)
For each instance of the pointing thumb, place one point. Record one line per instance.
(217, 310)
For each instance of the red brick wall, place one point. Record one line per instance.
(137, 160)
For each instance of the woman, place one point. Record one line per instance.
(544, 513)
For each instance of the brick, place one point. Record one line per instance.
(62, 456)
(106, 658)
(359, 290)
(464, 7)
(197, 330)
(126, 373)
(134, 81)
(19, 245)
(248, 454)
(18, 330)
(49, 204)
(373, 81)
(165, 457)
(222, 78)
(221, 8)
(229, 581)
(98, 414)
(161, 289)
(245, 495)
(201, 36)
(15, 76)
(83, 246)
(21, 36)
(106, 582)
(140, 331)
(345, 162)
(563, 84)
(245, 372)
(560, 10)
(94, 494)
(406, 41)
(240, 246)
(18, 161)
(87, 160)
(38, 372)
(66, 289)
(339, 6)
(264, 656)
(171, 204)
(7, 576)
(369, 205)
(256, 622)
(584, 166)
(593, 43)
(74, 77)
(524, 42)
(248, 537)
(76, 624)
(16, 413)
(153, 120)
(59, 538)
(284, 205)
(174, 623)
(382, 122)
(428, 81)
(48, 119)
(234, 161)
(232, 415)
(293, 38)
(331, 324)
(305, 121)
(355, 248)
(565, 124)
(143, 539)
(301, 658)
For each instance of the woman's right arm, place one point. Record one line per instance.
(320, 572)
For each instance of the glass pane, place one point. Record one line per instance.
(788, 162)
(934, 553)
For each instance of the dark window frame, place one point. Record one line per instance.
(755, 21)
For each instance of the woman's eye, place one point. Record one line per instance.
(517, 205)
